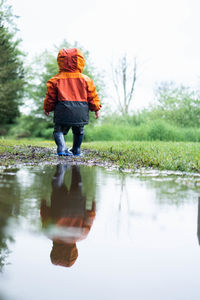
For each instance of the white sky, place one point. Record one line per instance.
(163, 34)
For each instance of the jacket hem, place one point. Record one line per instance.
(71, 124)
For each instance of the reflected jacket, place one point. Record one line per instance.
(76, 225)
(71, 94)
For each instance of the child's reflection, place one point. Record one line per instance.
(68, 213)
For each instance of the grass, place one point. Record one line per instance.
(156, 130)
(176, 156)
(112, 129)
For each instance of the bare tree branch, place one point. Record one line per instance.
(133, 81)
(116, 85)
(124, 76)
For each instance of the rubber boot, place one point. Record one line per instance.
(77, 141)
(61, 146)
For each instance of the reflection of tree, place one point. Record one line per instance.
(15, 197)
(3, 244)
(169, 188)
(69, 217)
(9, 207)
(123, 204)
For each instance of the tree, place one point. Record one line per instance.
(11, 68)
(178, 104)
(124, 76)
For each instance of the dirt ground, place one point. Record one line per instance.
(31, 155)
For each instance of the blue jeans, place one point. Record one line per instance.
(60, 131)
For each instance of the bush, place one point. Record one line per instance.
(29, 126)
(162, 131)
(157, 130)
(108, 132)
(111, 130)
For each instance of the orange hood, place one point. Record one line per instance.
(70, 60)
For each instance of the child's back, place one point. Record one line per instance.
(70, 94)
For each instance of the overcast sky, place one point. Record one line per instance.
(164, 35)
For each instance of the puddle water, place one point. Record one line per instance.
(81, 232)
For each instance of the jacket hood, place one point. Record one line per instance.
(70, 60)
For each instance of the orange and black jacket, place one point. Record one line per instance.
(71, 94)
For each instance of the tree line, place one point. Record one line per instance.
(11, 69)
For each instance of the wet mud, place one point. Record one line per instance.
(31, 155)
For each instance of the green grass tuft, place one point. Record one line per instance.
(177, 156)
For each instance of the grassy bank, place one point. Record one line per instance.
(179, 156)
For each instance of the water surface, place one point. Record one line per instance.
(88, 233)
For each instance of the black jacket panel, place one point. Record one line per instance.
(71, 113)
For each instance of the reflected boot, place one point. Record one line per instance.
(60, 142)
(58, 178)
(77, 141)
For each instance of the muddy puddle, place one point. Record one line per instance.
(79, 232)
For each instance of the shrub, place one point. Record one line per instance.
(157, 129)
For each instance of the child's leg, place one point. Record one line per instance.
(59, 138)
(78, 133)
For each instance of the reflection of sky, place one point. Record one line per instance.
(25, 178)
(138, 247)
(133, 211)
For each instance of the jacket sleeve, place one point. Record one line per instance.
(51, 96)
(92, 96)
